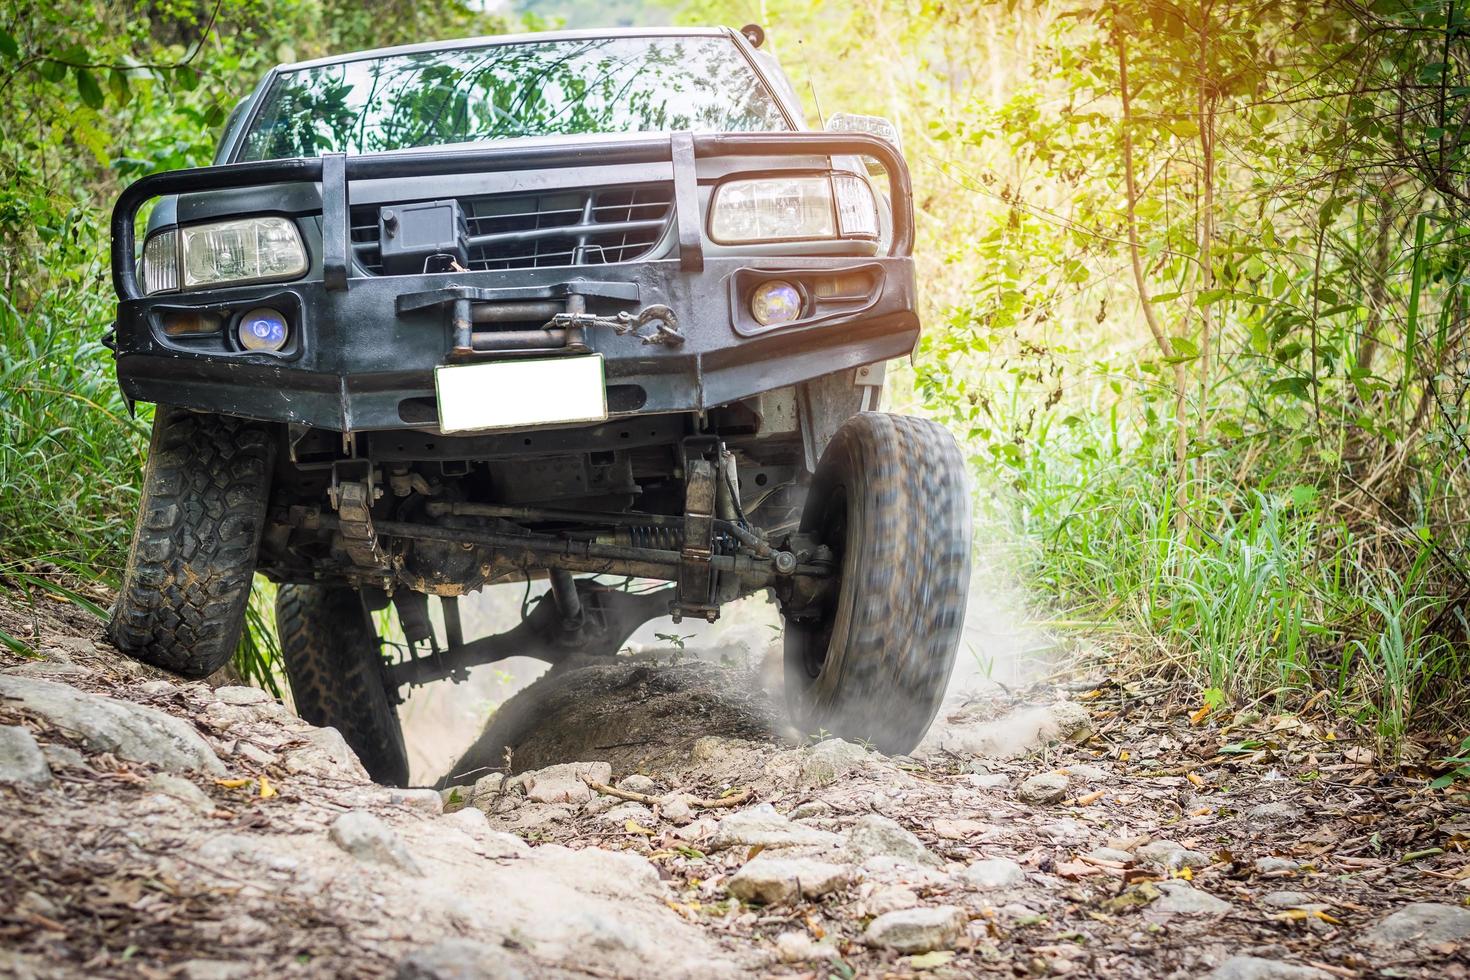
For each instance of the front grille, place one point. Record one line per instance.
(589, 226)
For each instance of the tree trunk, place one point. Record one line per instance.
(1181, 380)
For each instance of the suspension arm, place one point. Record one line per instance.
(545, 551)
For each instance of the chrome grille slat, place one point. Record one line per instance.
(583, 226)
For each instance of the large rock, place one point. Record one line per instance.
(1272, 865)
(129, 731)
(916, 930)
(1046, 787)
(638, 783)
(632, 714)
(21, 761)
(798, 947)
(762, 826)
(326, 753)
(1274, 814)
(1421, 925)
(1109, 854)
(1172, 855)
(1256, 968)
(877, 836)
(992, 873)
(565, 783)
(780, 881)
(1287, 900)
(828, 761)
(366, 838)
(1180, 898)
(878, 898)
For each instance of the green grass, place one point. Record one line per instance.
(1274, 594)
(71, 455)
(70, 452)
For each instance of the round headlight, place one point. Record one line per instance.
(263, 329)
(773, 302)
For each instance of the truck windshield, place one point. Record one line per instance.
(597, 85)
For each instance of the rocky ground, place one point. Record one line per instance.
(1077, 827)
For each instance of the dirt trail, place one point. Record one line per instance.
(1077, 827)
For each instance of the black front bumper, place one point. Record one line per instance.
(362, 359)
(357, 364)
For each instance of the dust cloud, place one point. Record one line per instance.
(1005, 641)
(440, 720)
(1002, 645)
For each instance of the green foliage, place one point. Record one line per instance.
(582, 14)
(1458, 766)
(1301, 218)
(93, 95)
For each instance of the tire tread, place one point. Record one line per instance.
(205, 490)
(335, 669)
(905, 582)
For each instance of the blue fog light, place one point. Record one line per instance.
(263, 329)
(776, 301)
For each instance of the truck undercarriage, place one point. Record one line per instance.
(405, 516)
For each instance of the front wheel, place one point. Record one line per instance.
(335, 666)
(205, 491)
(870, 661)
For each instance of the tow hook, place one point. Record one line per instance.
(666, 324)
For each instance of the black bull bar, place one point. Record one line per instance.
(336, 172)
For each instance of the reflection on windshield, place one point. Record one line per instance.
(608, 85)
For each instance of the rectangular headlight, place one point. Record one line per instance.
(261, 249)
(773, 209)
(788, 209)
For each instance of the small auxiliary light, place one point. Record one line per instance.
(263, 329)
(774, 302)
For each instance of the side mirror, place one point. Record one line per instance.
(848, 122)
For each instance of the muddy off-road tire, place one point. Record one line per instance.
(335, 666)
(205, 490)
(889, 497)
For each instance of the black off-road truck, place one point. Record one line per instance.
(522, 309)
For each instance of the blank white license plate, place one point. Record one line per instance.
(514, 394)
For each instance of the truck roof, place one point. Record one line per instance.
(498, 39)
